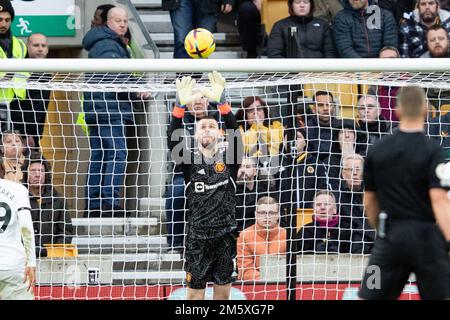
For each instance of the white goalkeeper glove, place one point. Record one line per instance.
(184, 91)
(216, 92)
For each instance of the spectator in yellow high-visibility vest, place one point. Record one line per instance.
(10, 47)
(28, 114)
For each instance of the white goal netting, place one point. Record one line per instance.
(118, 222)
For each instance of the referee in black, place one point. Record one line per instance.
(407, 203)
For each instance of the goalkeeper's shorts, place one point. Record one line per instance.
(211, 260)
(409, 246)
(12, 286)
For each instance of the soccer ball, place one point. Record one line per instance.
(199, 43)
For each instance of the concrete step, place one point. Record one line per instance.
(145, 4)
(222, 39)
(157, 21)
(148, 265)
(139, 277)
(116, 226)
(120, 242)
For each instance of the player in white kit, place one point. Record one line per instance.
(17, 248)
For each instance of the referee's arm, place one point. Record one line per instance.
(371, 203)
(441, 208)
(372, 207)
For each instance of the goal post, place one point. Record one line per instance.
(296, 151)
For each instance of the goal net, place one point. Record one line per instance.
(119, 232)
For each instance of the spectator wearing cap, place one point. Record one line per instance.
(10, 48)
(301, 174)
(412, 36)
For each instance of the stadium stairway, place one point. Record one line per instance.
(160, 28)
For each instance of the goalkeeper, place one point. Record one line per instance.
(210, 175)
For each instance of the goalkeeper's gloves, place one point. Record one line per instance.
(184, 91)
(184, 95)
(217, 92)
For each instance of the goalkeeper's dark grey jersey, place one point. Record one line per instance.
(211, 199)
(210, 186)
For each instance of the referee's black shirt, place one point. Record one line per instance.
(401, 169)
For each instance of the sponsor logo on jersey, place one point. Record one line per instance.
(188, 277)
(219, 167)
(202, 172)
(199, 187)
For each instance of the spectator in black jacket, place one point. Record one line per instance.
(350, 198)
(252, 184)
(398, 7)
(312, 38)
(28, 116)
(323, 235)
(360, 30)
(320, 124)
(51, 220)
(371, 121)
(301, 174)
(251, 32)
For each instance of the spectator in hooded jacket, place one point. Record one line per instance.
(350, 198)
(261, 135)
(323, 234)
(312, 38)
(360, 30)
(412, 36)
(265, 237)
(51, 220)
(371, 121)
(301, 174)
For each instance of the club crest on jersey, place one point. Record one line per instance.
(199, 187)
(219, 167)
(310, 169)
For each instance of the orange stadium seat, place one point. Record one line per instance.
(445, 108)
(304, 216)
(272, 11)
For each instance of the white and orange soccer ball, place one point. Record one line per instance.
(199, 43)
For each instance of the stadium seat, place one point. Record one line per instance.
(59, 250)
(272, 11)
(445, 108)
(304, 216)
